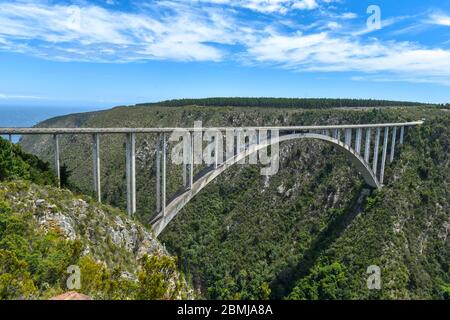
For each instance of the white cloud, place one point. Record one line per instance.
(269, 6)
(440, 19)
(327, 53)
(85, 31)
(179, 31)
(15, 96)
(305, 5)
(348, 15)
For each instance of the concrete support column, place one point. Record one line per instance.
(338, 135)
(358, 141)
(367, 145)
(163, 178)
(185, 175)
(10, 138)
(96, 166)
(394, 138)
(216, 150)
(131, 173)
(348, 137)
(375, 152)
(240, 142)
(335, 133)
(191, 165)
(57, 165)
(402, 134)
(383, 159)
(158, 173)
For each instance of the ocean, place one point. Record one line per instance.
(28, 116)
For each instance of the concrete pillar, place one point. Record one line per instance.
(394, 137)
(163, 178)
(383, 159)
(240, 144)
(375, 152)
(158, 173)
(131, 173)
(10, 138)
(348, 137)
(57, 165)
(367, 145)
(185, 173)
(191, 165)
(335, 133)
(402, 134)
(216, 150)
(338, 134)
(96, 167)
(358, 141)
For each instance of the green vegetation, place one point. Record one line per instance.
(281, 103)
(309, 232)
(15, 163)
(44, 230)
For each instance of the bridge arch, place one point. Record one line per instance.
(160, 222)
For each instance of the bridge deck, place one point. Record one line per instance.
(35, 130)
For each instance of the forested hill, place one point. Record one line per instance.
(283, 103)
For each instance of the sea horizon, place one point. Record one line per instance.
(29, 116)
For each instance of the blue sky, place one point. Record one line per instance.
(105, 53)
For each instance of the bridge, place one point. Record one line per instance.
(367, 146)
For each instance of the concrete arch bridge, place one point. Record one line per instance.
(367, 146)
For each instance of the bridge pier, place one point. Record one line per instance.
(358, 140)
(394, 137)
(191, 164)
(375, 152)
(335, 133)
(367, 145)
(131, 173)
(161, 153)
(348, 137)
(402, 134)
(96, 167)
(216, 150)
(240, 144)
(158, 173)
(163, 178)
(187, 145)
(383, 159)
(57, 165)
(10, 138)
(185, 174)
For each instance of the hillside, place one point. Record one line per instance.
(309, 232)
(44, 230)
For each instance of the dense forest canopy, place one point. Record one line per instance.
(304, 103)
